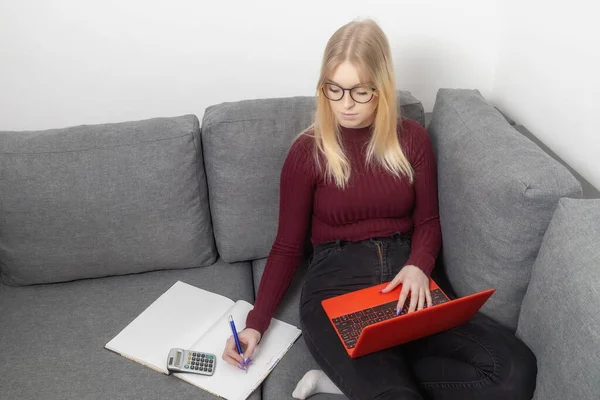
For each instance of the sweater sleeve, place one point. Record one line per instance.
(297, 185)
(427, 235)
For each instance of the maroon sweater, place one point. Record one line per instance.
(374, 204)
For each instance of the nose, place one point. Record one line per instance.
(347, 101)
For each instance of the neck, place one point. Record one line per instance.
(356, 134)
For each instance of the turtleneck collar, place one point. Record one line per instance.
(356, 134)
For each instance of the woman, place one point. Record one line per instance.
(364, 178)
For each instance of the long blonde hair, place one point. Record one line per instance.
(365, 45)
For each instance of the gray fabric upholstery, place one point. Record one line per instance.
(245, 144)
(559, 319)
(281, 382)
(99, 200)
(588, 191)
(52, 336)
(497, 193)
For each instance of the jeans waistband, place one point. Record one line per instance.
(340, 242)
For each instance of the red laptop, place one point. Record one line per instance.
(365, 320)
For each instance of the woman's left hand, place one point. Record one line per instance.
(415, 282)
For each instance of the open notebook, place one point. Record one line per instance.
(195, 319)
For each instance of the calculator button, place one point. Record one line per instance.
(202, 356)
(186, 366)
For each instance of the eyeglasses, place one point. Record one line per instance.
(360, 94)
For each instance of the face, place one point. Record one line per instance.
(348, 112)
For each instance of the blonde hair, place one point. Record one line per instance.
(365, 45)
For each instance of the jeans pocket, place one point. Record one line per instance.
(403, 238)
(321, 252)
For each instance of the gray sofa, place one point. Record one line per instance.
(97, 221)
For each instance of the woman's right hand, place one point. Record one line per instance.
(249, 338)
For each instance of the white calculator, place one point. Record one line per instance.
(193, 361)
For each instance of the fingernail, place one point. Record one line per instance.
(397, 312)
(242, 368)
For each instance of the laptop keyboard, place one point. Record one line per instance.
(351, 325)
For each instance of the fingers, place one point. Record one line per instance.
(421, 299)
(428, 295)
(249, 351)
(414, 298)
(395, 282)
(230, 354)
(403, 295)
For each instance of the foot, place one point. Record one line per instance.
(313, 382)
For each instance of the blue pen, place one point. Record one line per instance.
(237, 341)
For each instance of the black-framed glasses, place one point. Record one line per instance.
(360, 94)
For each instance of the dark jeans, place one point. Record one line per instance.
(477, 360)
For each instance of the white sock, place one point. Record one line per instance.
(313, 382)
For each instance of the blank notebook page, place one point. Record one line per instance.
(228, 381)
(178, 318)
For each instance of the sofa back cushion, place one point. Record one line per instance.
(559, 319)
(245, 144)
(99, 200)
(497, 193)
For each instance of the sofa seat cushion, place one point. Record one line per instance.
(297, 361)
(559, 318)
(101, 200)
(52, 336)
(497, 192)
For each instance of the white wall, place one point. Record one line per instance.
(68, 62)
(548, 77)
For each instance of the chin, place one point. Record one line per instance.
(350, 124)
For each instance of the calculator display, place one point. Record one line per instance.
(178, 359)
